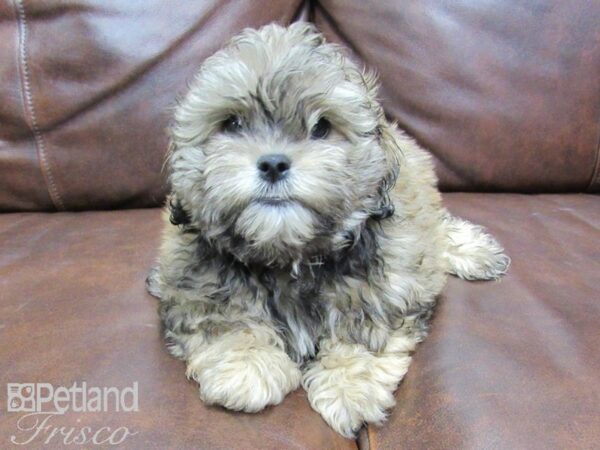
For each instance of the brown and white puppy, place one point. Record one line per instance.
(307, 241)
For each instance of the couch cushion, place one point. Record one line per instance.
(86, 88)
(512, 364)
(73, 308)
(505, 93)
(509, 364)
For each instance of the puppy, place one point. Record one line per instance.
(307, 241)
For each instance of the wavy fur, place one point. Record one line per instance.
(329, 275)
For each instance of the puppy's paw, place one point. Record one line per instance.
(349, 386)
(474, 254)
(243, 372)
(153, 283)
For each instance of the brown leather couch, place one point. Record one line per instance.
(505, 94)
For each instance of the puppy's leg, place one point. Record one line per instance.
(472, 253)
(243, 369)
(350, 385)
(229, 346)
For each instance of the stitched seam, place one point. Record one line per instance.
(37, 134)
(336, 28)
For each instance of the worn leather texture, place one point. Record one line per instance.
(512, 364)
(504, 93)
(87, 88)
(73, 308)
(508, 364)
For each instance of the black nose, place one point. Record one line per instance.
(273, 167)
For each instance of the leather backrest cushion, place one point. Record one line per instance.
(86, 89)
(504, 93)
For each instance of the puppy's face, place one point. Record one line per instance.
(276, 147)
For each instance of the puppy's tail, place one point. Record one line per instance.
(472, 253)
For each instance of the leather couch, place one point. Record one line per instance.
(504, 93)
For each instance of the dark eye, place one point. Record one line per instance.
(232, 124)
(321, 129)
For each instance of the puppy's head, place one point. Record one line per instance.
(277, 150)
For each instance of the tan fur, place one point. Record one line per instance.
(312, 277)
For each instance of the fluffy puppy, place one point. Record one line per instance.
(307, 241)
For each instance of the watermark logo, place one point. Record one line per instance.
(45, 397)
(44, 402)
(20, 397)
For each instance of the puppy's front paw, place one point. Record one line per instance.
(350, 386)
(242, 372)
(153, 283)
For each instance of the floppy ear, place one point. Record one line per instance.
(391, 148)
(388, 142)
(178, 216)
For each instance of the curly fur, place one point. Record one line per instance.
(329, 275)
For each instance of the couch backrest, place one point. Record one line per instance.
(86, 89)
(505, 94)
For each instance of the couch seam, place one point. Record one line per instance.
(312, 8)
(26, 88)
(328, 17)
(336, 28)
(298, 12)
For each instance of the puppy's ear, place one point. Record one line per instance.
(392, 150)
(385, 131)
(389, 143)
(178, 216)
(370, 80)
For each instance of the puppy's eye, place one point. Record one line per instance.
(321, 129)
(232, 124)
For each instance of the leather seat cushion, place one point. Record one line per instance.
(508, 364)
(514, 363)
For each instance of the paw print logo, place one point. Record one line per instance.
(20, 397)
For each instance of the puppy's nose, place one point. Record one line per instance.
(273, 167)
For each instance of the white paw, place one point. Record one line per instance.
(492, 266)
(349, 386)
(243, 373)
(153, 282)
(474, 254)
